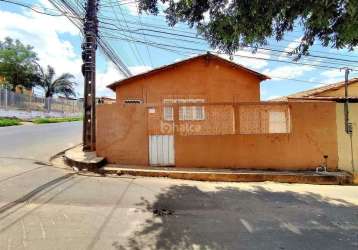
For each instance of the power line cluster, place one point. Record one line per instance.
(118, 27)
(74, 11)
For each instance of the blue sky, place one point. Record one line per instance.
(57, 42)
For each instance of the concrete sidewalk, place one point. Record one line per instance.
(88, 160)
(54, 209)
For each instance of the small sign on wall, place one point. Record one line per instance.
(151, 110)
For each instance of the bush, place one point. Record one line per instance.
(4, 122)
(56, 120)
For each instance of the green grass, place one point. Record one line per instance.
(55, 120)
(4, 122)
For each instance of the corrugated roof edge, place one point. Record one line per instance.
(312, 92)
(153, 71)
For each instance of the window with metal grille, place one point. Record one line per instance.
(277, 122)
(168, 113)
(133, 101)
(264, 119)
(191, 113)
(186, 113)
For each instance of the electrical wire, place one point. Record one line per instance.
(292, 41)
(66, 6)
(135, 46)
(238, 55)
(73, 13)
(32, 8)
(264, 50)
(202, 39)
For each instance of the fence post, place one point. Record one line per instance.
(30, 103)
(6, 98)
(46, 104)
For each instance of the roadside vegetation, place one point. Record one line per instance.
(4, 122)
(56, 120)
(20, 68)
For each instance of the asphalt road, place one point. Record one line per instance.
(38, 142)
(48, 207)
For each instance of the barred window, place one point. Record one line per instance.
(191, 113)
(133, 101)
(277, 122)
(168, 113)
(264, 119)
(186, 113)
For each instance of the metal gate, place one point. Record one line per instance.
(161, 150)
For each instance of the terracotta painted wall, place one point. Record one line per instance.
(347, 145)
(313, 135)
(122, 137)
(212, 80)
(122, 133)
(219, 119)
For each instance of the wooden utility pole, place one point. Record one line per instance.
(89, 46)
(347, 125)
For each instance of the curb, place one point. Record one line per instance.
(62, 152)
(97, 166)
(236, 177)
(93, 163)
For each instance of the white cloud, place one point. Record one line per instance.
(186, 57)
(333, 73)
(135, 70)
(206, 17)
(329, 80)
(247, 58)
(288, 71)
(131, 6)
(110, 75)
(42, 32)
(289, 48)
(272, 97)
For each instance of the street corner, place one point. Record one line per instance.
(79, 159)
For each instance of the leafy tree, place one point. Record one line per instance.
(18, 63)
(235, 23)
(64, 84)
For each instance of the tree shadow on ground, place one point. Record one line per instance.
(232, 218)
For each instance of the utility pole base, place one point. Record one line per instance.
(89, 46)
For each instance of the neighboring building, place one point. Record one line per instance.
(105, 100)
(333, 92)
(18, 89)
(347, 143)
(206, 112)
(102, 100)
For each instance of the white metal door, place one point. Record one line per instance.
(161, 150)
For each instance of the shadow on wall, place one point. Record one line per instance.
(230, 218)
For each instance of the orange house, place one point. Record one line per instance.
(206, 112)
(207, 77)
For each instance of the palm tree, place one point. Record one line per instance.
(62, 85)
